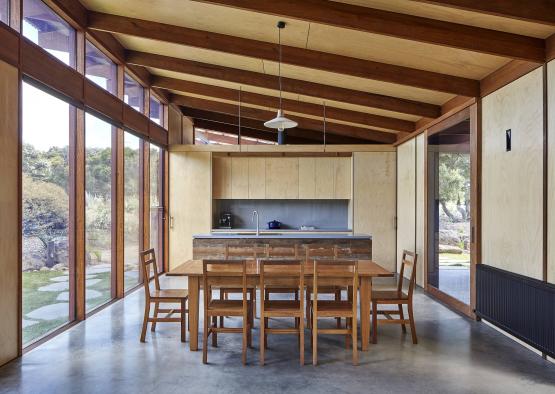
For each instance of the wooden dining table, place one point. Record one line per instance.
(192, 269)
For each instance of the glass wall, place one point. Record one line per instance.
(46, 29)
(100, 69)
(46, 126)
(156, 209)
(156, 111)
(98, 211)
(5, 11)
(133, 92)
(132, 213)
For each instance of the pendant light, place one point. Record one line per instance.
(280, 122)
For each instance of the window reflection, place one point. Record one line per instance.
(100, 69)
(5, 11)
(48, 30)
(156, 111)
(133, 93)
(156, 209)
(132, 217)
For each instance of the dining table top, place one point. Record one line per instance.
(366, 268)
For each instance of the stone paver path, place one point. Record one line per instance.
(56, 286)
(89, 295)
(50, 312)
(27, 323)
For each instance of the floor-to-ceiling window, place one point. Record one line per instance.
(47, 123)
(156, 208)
(98, 211)
(48, 30)
(5, 11)
(449, 220)
(132, 213)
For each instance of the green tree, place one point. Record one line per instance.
(454, 183)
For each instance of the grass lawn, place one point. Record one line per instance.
(454, 260)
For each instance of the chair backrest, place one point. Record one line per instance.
(331, 270)
(284, 251)
(220, 272)
(315, 252)
(245, 252)
(408, 262)
(272, 270)
(148, 259)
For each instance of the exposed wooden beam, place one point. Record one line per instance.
(304, 123)
(294, 136)
(404, 26)
(243, 77)
(291, 55)
(505, 75)
(288, 105)
(537, 11)
(550, 48)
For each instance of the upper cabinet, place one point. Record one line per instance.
(282, 177)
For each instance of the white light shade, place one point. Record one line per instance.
(280, 122)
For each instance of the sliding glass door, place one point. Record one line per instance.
(449, 212)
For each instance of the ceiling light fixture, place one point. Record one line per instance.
(280, 122)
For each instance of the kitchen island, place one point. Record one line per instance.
(213, 245)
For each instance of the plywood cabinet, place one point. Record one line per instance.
(257, 177)
(239, 178)
(307, 177)
(325, 182)
(282, 177)
(221, 177)
(343, 178)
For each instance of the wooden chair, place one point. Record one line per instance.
(217, 273)
(242, 252)
(326, 253)
(159, 296)
(280, 273)
(282, 252)
(333, 271)
(397, 297)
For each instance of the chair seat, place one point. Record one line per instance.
(227, 307)
(326, 289)
(281, 306)
(334, 308)
(388, 295)
(170, 294)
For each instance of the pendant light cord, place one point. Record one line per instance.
(279, 66)
(324, 123)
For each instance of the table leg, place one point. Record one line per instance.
(365, 291)
(194, 297)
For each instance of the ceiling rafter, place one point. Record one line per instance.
(304, 123)
(295, 86)
(287, 104)
(291, 55)
(398, 25)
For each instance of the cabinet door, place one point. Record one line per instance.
(343, 178)
(282, 177)
(240, 177)
(374, 203)
(325, 174)
(221, 177)
(257, 177)
(307, 178)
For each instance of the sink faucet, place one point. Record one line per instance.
(257, 225)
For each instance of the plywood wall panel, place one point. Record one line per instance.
(240, 177)
(190, 202)
(406, 198)
(343, 177)
(9, 222)
(257, 177)
(420, 206)
(221, 177)
(307, 177)
(551, 171)
(512, 182)
(374, 183)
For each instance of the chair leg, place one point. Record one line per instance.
(214, 333)
(348, 324)
(222, 296)
(205, 340)
(265, 335)
(402, 317)
(145, 320)
(338, 298)
(374, 322)
(262, 339)
(250, 321)
(354, 339)
(301, 340)
(314, 340)
(153, 325)
(183, 328)
(245, 338)
(308, 315)
(412, 326)
(253, 298)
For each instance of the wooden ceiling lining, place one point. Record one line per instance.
(321, 91)
(298, 57)
(419, 29)
(465, 17)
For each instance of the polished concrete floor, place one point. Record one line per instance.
(104, 355)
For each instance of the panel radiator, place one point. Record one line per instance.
(522, 306)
